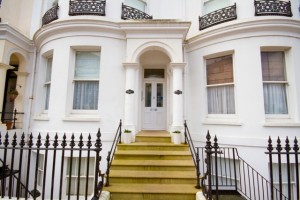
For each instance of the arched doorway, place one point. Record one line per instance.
(154, 96)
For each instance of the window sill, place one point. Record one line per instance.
(281, 124)
(228, 122)
(81, 118)
(42, 117)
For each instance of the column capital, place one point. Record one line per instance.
(177, 65)
(128, 65)
(5, 66)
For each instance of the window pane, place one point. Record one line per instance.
(148, 94)
(219, 70)
(49, 69)
(47, 88)
(159, 95)
(138, 4)
(221, 100)
(87, 65)
(154, 73)
(275, 99)
(273, 68)
(212, 5)
(86, 95)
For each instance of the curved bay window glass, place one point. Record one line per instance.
(274, 82)
(137, 4)
(86, 80)
(220, 86)
(212, 5)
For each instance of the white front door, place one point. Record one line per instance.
(154, 108)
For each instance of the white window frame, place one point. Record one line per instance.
(286, 83)
(219, 115)
(84, 111)
(47, 83)
(75, 176)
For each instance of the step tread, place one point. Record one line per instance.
(153, 144)
(153, 174)
(146, 152)
(153, 188)
(183, 163)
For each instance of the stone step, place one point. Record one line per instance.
(153, 146)
(162, 165)
(152, 155)
(152, 191)
(143, 138)
(157, 177)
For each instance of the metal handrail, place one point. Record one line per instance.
(112, 151)
(195, 156)
(225, 169)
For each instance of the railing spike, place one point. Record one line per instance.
(89, 143)
(39, 143)
(55, 143)
(270, 146)
(80, 143)
(22, 142)
(47, 143)
(287, 145)
(278, 148)
(296, 147)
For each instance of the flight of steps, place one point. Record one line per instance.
(152, 168)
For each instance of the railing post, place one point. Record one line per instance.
(270, 149)
(296, 149)
(185, 132)
(14, 119)
(98, 148)
(198, 169)
(287, 149)
(216, 147)
(208, 150)
(108, 168)
(279, 149)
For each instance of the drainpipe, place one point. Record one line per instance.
(32, 90)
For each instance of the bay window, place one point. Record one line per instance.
(86, 80)
(274, 82)
(220, 86)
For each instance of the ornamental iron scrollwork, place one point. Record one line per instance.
(50, 15)
(178, 92)
(129, 91)
(273, 7)
(133, 13)
(87, 7)
(217, 17)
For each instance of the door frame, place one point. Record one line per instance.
(165, 101)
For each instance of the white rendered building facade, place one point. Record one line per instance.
(236, 77)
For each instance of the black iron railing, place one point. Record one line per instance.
(225, 170)
(111, 153)
(133, 13)
(273, 7)
(217, 17)
(11, 117)
(289, 156)
(50, 15)
(87, 7)
(23, 156)
(196, 158)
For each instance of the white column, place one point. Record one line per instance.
(3, 70)
(177, 93)
(130, 96)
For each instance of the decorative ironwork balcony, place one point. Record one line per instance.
(217, 17)
(50, 15)
(133, 13)
(87, 7)
(273, 7)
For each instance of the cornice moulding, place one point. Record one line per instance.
(246, 28)
(12, 35)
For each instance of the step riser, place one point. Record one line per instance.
(154, 148)
(153, 180)
(152, 168)
(152, 139)
(125, 196)
(153, 157)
